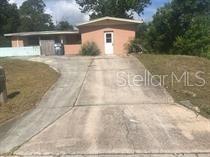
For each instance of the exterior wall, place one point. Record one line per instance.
(122, 35)
(72, 49)
(17, 42)
(20, 51)
(72, 44)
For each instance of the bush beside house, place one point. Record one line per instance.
(134, 46)
(89, 49)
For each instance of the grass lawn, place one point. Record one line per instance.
(27, 82)
(166, 64)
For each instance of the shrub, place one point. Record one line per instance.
(134, 46)
(89, 49)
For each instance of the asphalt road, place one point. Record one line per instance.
(95, 110)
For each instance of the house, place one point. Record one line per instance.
(110, 34)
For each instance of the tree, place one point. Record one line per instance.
(196, 40)
(160, 32)
(64, 25)
(172, 21)
(184, 12)
(114, 8)
(141, 36)
(9, 19)
(33, 16)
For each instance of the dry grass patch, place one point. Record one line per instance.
(27, 82)
(166, 64)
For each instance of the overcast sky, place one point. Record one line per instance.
(68, 10)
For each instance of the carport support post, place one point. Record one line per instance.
(3, 90)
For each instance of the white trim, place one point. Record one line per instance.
(41, 33)
(112, 43)
(111, 18)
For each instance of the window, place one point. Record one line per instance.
(108, 38)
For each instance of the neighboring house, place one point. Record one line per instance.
(110, 34)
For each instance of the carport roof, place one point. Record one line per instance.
(41, 33)
(110, 21)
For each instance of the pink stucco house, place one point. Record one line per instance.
(110, 34)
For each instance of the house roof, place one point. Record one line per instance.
(41, 33)
(97, 22)
(110, 20)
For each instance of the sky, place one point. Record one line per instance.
(68, 10)
(151, 10)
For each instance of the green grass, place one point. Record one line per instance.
(26, 83)
(166, 64)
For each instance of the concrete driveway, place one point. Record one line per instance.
(90, 113)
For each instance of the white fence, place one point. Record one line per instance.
(20, 51)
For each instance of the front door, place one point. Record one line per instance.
(108, 38)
